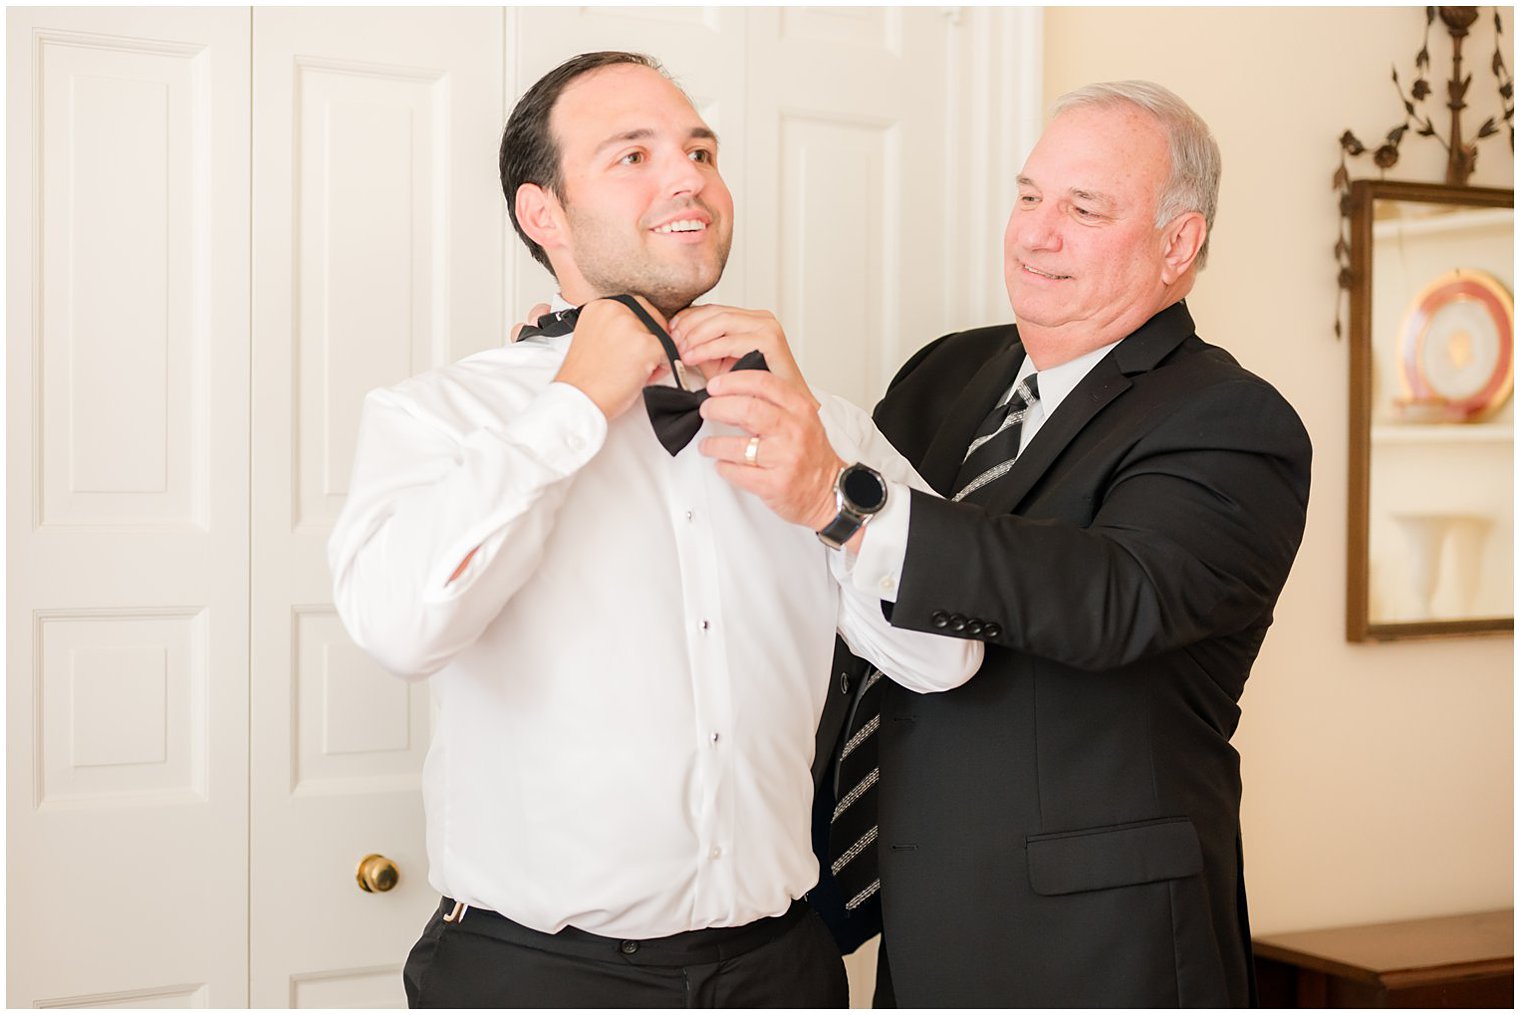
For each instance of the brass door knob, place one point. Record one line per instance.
(377, 874)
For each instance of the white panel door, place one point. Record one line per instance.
(847, 136)
(377, 254)
(127, 507)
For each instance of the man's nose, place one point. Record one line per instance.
(1037, 228)
(682, 176)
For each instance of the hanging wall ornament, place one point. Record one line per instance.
(1462, 154)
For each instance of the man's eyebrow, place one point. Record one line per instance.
(637, 134)
(645, 133)
(1091, 196)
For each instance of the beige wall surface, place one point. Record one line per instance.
(1379, 778)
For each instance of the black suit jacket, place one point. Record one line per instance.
(1064, 828)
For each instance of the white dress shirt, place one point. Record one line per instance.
(884, 547)
(628, 673)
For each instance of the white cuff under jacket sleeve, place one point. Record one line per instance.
(425, 494)
(878, 566)
(918, 661)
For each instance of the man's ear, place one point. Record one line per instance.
(541, 216)
(1183, 238)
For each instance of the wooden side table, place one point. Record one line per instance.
(1444, 962)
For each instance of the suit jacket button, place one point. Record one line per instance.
(992, 630)
(940, 619)
(628, 947)
(844, 681)
(957, 622)
(974, 626)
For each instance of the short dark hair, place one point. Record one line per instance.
(529, 153)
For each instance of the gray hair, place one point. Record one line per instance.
(1194, 181)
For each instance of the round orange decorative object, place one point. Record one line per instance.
(1457, 346)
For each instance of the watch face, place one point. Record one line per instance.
(863, 488)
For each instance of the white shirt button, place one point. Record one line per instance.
(715, 738)
(703, 625)
(717, 851)
(690, 515)
(887, 584)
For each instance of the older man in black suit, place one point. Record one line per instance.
(1124, 504)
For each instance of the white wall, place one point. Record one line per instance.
(1379, 777)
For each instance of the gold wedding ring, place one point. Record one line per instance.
(752, 452)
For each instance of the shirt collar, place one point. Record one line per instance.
(1058, 381)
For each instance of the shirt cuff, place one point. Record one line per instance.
(878, 568)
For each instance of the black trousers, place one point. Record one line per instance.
(484, 960)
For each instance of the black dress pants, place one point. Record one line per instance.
(484, 960)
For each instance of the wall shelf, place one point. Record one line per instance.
(1443, 433)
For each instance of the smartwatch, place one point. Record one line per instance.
(859, 493)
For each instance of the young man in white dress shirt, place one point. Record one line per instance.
(629, 654)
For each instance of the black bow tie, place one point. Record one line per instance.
(674, 412)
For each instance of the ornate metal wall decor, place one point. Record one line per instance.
(1462, 155)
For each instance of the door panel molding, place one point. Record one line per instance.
(127, 506)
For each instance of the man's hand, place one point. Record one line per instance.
(612, 356)
(794, 466)
(719, 335)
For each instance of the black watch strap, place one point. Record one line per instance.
(839, 531)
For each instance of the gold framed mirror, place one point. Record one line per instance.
(1431, 506)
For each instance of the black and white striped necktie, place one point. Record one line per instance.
(852, 831)
(996, 444)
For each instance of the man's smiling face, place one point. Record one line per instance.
(646, 209)
(1082, 256)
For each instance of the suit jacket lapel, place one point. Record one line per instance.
(1106, 381)
(987, 386)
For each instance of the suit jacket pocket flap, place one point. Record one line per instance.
(1084, 861)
